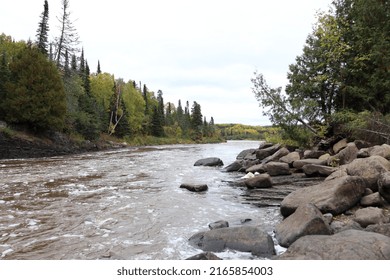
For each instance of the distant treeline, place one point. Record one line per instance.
(49, 86)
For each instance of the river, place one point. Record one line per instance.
(120, 204)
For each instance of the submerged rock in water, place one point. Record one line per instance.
(211, 161)
(243, 239)
(194, 187)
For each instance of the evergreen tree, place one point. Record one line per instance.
(82, 64)
(68, 38)
(145, 95)
(157, 126)
(67, 70)
(4, 79)
(73, 64)
(160, 107)
(87, 81)
(196, 121)
(43, 29)
(99, 71)
(38, 97)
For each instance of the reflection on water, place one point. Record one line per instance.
(122, 204)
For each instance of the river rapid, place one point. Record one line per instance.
(120, 204)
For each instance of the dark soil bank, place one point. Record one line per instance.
(23, 145)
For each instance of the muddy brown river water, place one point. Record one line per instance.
(121, 204)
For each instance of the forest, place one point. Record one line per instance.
(340, 84)
(48, 86)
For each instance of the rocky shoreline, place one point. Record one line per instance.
(335, 200)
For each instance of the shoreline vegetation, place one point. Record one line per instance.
(17, 143)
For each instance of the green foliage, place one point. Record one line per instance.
(35, 93)
(344, 66)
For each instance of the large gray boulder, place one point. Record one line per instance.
(262, 181)
(368, 168)
(345, 245)
(277, 155)
(298, 164)
(369, 216)
(277, 168)
(211, 161)
(345, 156)
(263, 153)
(314, 170)
(245, 153)
(234, 166)
(243, 239)
(382, 229)
(306, 220)
(383, 151)
(384, 185)
(334, 196)
(290, 158)
(374, 199)
(340, 145)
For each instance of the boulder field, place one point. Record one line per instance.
(335, 203)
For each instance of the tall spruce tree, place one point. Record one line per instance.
(43, 29)
(68, 38)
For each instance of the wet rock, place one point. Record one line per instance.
(374, 199)
(259, 181)
(277, 168)
(334, 196)
(345, 245)
(246, 152)
(218, 224)
(194, 187)
(368, 168)
(306, 220)
(243, 239)
(384, 185)
(313, 170)
(370, 215)
(211, 161)
(235, 166)
(204, 257)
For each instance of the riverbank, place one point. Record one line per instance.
(17, 144)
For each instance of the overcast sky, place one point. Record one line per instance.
(195, 50)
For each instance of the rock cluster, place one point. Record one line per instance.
(338, 210)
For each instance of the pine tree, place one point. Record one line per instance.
(99, 71)
(40, 102)
(160, 107)
(4, 79)
(68, 38)
(145, 95)
(43, 29)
